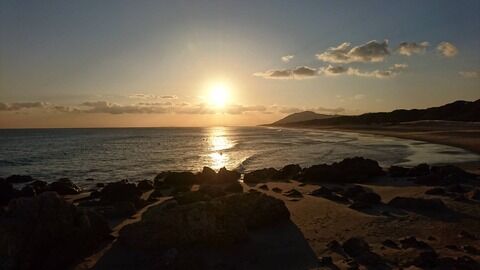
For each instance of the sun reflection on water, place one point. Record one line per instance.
(218, 143)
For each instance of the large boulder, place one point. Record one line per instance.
(259, 176)
(289, 171)
(349, 170)
(64, 187)
(179, 179)
(17, 179)
(360, 194)
(121, 191)
(7, 192)
(46, 232)
(145, 185)
(419, 204)
(217, 222)
(225, 176)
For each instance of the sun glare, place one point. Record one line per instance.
(219, 94)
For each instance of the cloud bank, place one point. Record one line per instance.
(371, 51)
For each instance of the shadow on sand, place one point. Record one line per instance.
(282, 246)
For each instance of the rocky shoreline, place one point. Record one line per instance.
(351, 214)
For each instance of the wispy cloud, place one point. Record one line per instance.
(371, 51)
(151, 96)
(410, 48)
(287, 58)
(17, 106)
(330, 70)
(298, 73)
(447, 49)
(472, 74)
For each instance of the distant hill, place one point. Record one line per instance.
(467, 111)
(301, 117)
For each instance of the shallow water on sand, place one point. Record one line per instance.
(138, 153)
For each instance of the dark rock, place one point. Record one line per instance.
(429, 180)
(325, 261)
(419, 170)
(17, 179)
(398, 171)
(474, 194)
(64, 187)
(432, 238)
(322, 192)
(90, 179)
(360, 206)
(191, 197)
(466, 263)
(419, 204)
(457, 188)
(426, 259)
(259, 176)
(7, 192)
(234, 187)
(46, 232)
(145, 185)
(335, 246)
(207, 175)
(452, 172)
(390, 243)
(360, 194)
(264, 187)
(452, 247)
(435, 191)
(355, 246)
(28, 191)
(120, 191)
(218, 222)
(225, 176)
(412, 242)
(467, 235)
(290, 171)
(349, 170)
(120, 209)
(212, 191)
(471, 249)
(277, 190)
(39, 186)
(180, 179)
(293, 193)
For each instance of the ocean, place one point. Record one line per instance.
(111, 154)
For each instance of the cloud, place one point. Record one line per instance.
(290, 110)
(298, 73)
(371, 51)
(359, 96)
(239, 109)
(17, 106)
(409, 48)
(113, 108)
(333, 70)
(470, 74)
(302, 72)
(380, 74)
(330, 110)
(447, 49)
(151, 96)
(287, 58)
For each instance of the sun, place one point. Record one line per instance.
(219, 94)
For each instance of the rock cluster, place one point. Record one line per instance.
(220, 221)
(45, 232)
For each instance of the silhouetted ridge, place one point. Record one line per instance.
(468, 111)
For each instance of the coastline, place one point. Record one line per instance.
(459, 135)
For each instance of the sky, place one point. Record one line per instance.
(210, 63)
